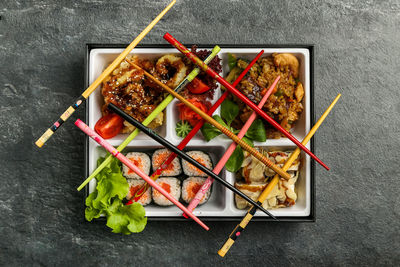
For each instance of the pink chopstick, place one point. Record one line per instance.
(199, 124)
(220, 165)
(169, 38)
(133, 167)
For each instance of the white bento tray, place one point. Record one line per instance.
(221, 204)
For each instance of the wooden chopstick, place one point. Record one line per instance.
(183, 155)
(238, 94)
(96, 137)
(210, 120)
(249, 215)
(168, 99)
(82, 98)
(195, 129)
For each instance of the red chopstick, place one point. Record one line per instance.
(238, 94)
(193, 132)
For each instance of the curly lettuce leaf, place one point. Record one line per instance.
(114, 185)
(126, 219)
(111, 189)
(90, 211)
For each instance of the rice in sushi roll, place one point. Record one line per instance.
(135, 185)
(202, 158)
(191, 186)
(160, 156)
(141, 160)
(170, 184)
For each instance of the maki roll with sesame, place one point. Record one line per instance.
(170, 184)
(141, 160)
(202, 158)
(191, 186)
(158, 158)
(134, 186)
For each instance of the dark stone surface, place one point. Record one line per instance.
(42, 46)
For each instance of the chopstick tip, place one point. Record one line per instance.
(77, 122)
(39, 143)
(221, 253)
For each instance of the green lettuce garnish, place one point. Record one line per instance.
(229, 112)
(111, 189)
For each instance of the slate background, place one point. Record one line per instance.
(42, 46)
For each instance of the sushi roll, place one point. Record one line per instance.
(201, 157)
(141, 160)
(135, 185)
(190, 187)
(173, 169)
(170, 184)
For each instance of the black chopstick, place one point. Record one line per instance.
(184, 156)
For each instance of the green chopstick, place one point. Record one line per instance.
(152, 115)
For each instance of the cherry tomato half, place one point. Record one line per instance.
(109, 126)
(197, 86)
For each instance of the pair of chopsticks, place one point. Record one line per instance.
(116, 152)
(249, 215)
(221, 164)
(64, 117)
(238, 94)
(136, 169)
(210, 120)
(42, 140)
(193, 132)
(166, 144)
(152, 115)
(182, 155)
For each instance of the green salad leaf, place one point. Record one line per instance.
(90, 211)
(113, 185)
(229, 111)
(126, 219)
(110, 183)
(220, 121)
(111, 189)
(248, 141)
(209, 132)
(235, 160)
(257, 131)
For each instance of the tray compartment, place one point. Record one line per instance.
(303, 124)
(302, 189)
(215, 205)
